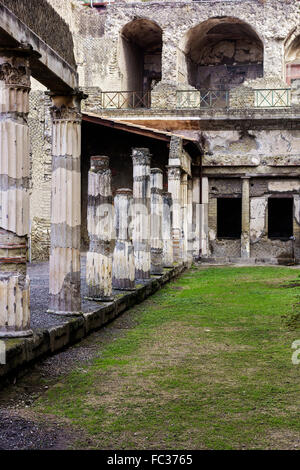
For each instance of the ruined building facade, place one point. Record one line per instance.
(225, 76)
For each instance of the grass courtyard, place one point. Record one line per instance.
(203, 364)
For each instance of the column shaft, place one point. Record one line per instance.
(196, 216)
(14, 192)
(174, 188)
(168, 257)
(245, 238)
(123, 258)
(100, 229)
(64, 279)
(184, 216)
(156, 221)
(190, 227)
(141, 212)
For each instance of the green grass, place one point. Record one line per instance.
(206, 366)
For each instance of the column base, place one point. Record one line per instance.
(16, 334)
(100, 299)
(66, 314)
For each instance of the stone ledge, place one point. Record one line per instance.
(21, 353)
(250, 261)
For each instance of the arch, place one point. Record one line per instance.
(292, 56)
(221, 53)
(141, 49)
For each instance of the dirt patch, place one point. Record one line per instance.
(18, 433)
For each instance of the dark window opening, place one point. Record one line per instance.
(280, 217)
(229, 218)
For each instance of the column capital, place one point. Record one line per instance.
(99, 163)
(66, 106)
(141, 156)
(15, 66)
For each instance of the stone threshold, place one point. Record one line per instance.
(21, 353)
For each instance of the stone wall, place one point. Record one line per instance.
(40, 129)
(44, 20)
(261, 247)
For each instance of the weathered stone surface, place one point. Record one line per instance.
(14, 192)
(141, 212)
(65, 214)
(100, 228)
(156, 221)
(123, 257)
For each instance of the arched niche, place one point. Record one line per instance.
(141, 48)
(222, 53)
(292, 57)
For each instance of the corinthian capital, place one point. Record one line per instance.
(141, 156)
(66, 107)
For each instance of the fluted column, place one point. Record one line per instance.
(141, 224)
(184, 215)
(14, 192)
(156, 221)
(197, 212)
(123, 258)
(64, 279)
(190, 227)
(174, 188)
(100, 229)
(168, 257)
(245, 238)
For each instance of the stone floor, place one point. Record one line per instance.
(39, 298)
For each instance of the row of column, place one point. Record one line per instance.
(141, 248)
(132, 238)
(14, 196)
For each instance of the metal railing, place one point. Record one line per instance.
(276, 98)
(186, 99)
(125, 99)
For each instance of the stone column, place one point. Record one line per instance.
(14, 192)
(174, 188)
(196, 212)
(100, 229)
(123, 258)
(184, 220)
(168, 258)
(64, 281)
(204, 217)
(190, 228)
(141, 212)
(245, 238)
(156, 221)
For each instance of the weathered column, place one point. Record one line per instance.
(14, 192)
(196, 212)
(100, 229)
(245, 238)
(156, 221)
(123, 258)
(184, 217)
(190, 227)
(174, 188)
(168, 257)
(64, 281)
(204, 217)
(142, 210)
